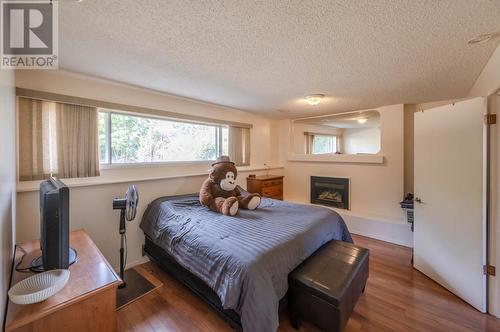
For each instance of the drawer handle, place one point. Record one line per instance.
(272, 192)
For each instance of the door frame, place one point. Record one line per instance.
(486, 201)
(493, 285)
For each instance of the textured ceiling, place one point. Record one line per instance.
(264, 56)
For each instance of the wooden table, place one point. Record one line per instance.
(86, 303)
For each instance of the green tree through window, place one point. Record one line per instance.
(137, 139)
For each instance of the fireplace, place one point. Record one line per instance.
(330, 191)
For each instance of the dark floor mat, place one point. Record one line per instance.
(137, 287)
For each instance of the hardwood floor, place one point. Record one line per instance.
(397, 298)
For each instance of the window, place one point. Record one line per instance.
(126, 138)
(324, 144)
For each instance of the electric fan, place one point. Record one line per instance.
(128, 209)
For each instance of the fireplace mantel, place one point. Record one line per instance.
(338, 158)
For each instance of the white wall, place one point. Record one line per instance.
(90, 206)
(361, 140)
(376, 189)
(7, 180)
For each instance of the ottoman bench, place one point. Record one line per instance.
(325, 288)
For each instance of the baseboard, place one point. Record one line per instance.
(388, 229)
(379, 228)
(133, 263)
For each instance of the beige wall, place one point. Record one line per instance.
(90, 206)
(7, 180)
(361, 140)
(87, 87)
(376, 189)
(489, 79)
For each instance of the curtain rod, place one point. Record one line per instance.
(49, 96)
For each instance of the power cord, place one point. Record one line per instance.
(24, 269)
(126, 250)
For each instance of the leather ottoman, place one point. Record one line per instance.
(325, 288)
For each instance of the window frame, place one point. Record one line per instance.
(109, 164)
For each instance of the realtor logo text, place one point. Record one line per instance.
(29, 35)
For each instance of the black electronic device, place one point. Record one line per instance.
(54, 227)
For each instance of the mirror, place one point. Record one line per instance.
(347, 133)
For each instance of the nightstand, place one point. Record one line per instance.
(266, 185)
(86, 303)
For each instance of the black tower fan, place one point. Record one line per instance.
(128, 209)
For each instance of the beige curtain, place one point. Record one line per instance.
(31, 166)
(340, 144)
(239, 145)
(77, 143)
(309, 142)
(57, 139)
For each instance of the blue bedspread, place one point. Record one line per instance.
(245, 259)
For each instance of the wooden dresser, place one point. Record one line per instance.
(266, 185)
(86, 303)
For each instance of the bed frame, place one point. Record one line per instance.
(195, 284)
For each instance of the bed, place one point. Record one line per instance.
(239, 265)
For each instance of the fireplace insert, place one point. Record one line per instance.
(330, 191)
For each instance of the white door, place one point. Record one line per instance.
(450, 219)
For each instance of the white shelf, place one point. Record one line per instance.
(338, 158)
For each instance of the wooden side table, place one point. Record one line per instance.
(266, 185)
(86, 303)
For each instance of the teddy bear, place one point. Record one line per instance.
(220, 193)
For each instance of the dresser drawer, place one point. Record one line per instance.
(272, 191)
(272, 183)
(266, 185)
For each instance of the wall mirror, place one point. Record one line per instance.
(348, 133)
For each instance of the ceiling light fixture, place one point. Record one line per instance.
(362, 120)
(314, 99)
(481, 39)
